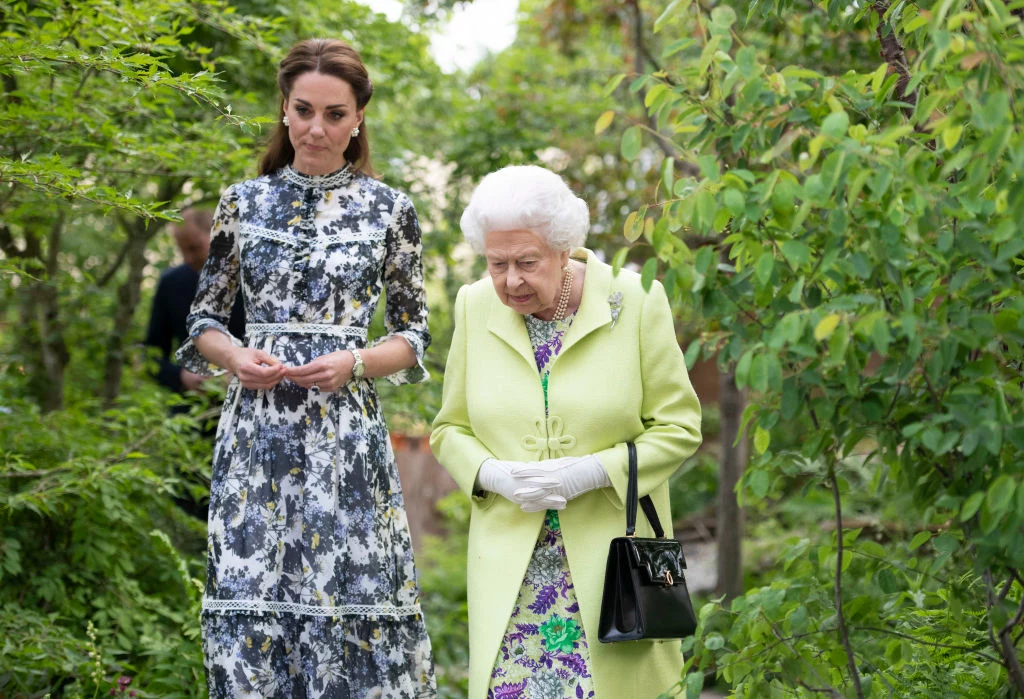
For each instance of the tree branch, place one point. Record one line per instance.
(843, 633)
(7, 244)
(895, 56)
(1003, 640)
(934, 644)
(639, 52)
(53, 242)
(1017, 619)
(118, 261)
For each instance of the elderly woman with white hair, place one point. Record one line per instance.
(556, 363)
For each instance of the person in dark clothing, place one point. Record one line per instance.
(171, 303)
(174, 294)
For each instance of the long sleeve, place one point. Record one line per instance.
(451, 439)
(670, 410)
(218, 286)
(160, 334)
(406, 302)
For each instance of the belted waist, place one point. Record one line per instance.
(253, 329)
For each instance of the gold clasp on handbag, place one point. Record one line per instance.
(668, 579)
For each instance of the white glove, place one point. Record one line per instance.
(506, 479)
(567, 477)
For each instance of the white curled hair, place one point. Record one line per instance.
(526, 197)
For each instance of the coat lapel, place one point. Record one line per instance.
(594, 311)
(509, 326)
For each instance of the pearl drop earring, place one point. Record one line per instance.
(355, 132)
(284, 120)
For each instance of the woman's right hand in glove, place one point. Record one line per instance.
(532, 494)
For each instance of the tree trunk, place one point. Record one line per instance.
(730, 515)
(45, 351)
(1002, 638)
(128, 295)
(140, 231)
(54, 351)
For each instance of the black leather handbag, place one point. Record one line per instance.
(645, 593)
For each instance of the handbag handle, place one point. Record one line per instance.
(645, 502)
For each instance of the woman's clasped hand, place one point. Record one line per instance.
(541, 485)
(258, 370)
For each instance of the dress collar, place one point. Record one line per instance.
(338, 178)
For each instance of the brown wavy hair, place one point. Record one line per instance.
(330, 57)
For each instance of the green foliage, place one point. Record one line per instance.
(442, 569)
(115, 116)
(851, 246)
(92, 584)
(694, 486)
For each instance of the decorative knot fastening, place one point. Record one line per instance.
(549, 438)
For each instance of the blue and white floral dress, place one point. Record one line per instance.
(311, 589)
(544, 653)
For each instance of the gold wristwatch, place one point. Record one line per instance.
(358, 369)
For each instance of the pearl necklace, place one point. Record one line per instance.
(563, 299)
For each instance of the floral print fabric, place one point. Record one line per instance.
(311, 589)
(544, 654)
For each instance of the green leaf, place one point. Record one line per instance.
(612, 84)
(796, 252)
(692, 353)
(889, 581)
(734, 201)
(919, 539)
(604, 121)
(648, 273)
(631, 142)
(951, 136)
(743, 369)
(714, 641)
(1000, 495)
(878, 77)
(619, 259)
(762, 440)
(667, 173)
(723, 16)
(746, 61)
(703, 260)
(694, 684)
(826, 326)
(763, 268)
(758, 481)
(797, 292)
(971, 505)
(836, 124)
(673, 7)
(633, 227)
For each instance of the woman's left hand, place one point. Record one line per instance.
(328, 372)
(567, 477)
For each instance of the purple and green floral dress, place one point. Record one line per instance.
(544, 654)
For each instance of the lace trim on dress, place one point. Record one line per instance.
(228, 606)
(305, 329)
(418, 372)
(336, 179)
(249, 230)
(260, 232)
(190, 358)
(354, 236)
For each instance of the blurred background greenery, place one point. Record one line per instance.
(830, 193)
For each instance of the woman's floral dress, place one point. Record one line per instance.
(544, 654)
(311, 589)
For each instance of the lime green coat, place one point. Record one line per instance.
(611, 383)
